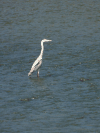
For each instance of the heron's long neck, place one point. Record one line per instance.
(42, 49)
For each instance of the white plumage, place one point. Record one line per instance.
(37, 63)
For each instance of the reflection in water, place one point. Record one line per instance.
(37, 80)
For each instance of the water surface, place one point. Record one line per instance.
(66, 96)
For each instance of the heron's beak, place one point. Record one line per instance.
(49, 40)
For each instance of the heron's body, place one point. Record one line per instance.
(37, 64)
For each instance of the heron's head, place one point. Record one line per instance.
(45, 40)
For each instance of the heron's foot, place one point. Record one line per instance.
(38, 73)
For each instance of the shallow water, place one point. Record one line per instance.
(66, 96)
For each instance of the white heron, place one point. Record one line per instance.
(37, 63)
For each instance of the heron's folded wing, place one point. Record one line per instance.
(36, 66)
(37, 61)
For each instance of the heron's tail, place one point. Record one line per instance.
(29, 73)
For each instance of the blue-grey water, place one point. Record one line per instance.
(66, 96)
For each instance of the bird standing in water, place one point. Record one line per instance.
(38, 62)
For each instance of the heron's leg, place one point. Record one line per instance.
(38, 73)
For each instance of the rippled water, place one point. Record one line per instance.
(66, 96)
